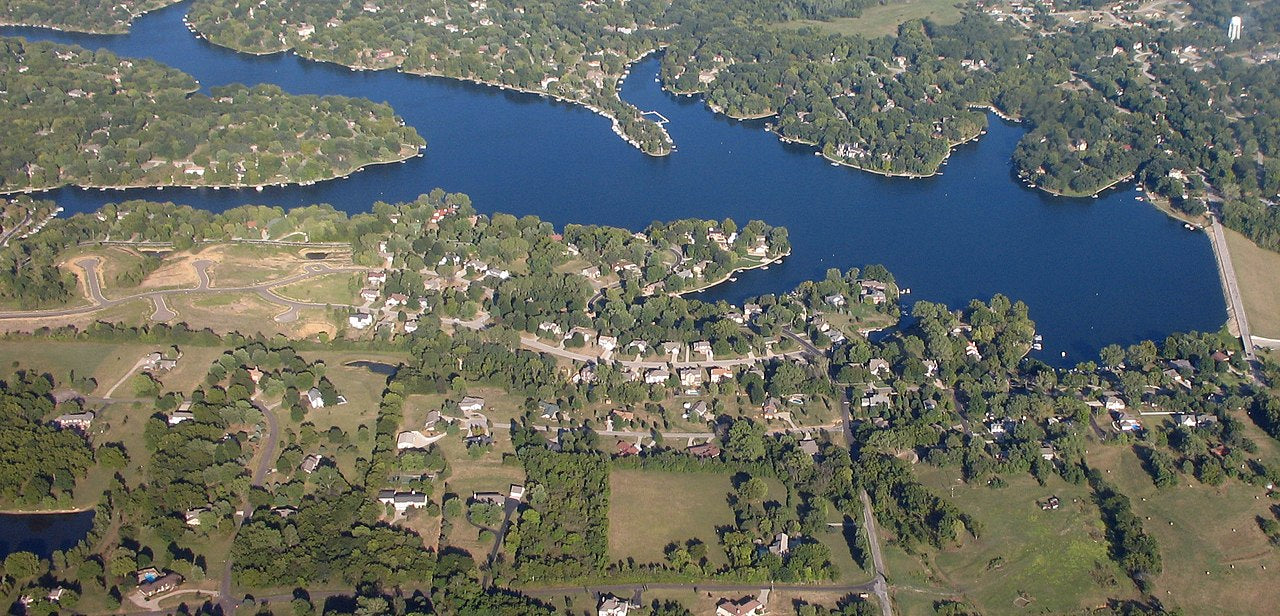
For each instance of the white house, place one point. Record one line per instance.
(79, 421)
(315, 398)
(360, 320)
(656, 376)
(613, 606)
(471, 404)
(402, 501)
(178, 417)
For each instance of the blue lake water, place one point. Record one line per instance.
(43, 533)
(1093, 271)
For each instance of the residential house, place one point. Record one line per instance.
(781, 545)
(178, 417)
(608, 343)
(315, 398)
(311, 463)
(750, 311)
(164, 583)
(433, 418)
(192, 516)
(746, 607)
(369, 295)
(360, 320)
(622, 415)
(588, 335)
(809, 446)
(771, 407)
(656, 376)
(719, 374)
(837, 300)
(78, 421)
(551, 328)
(700, 409)
(592, 272)
(627, 448)
(479, 440)
(704, 451)
(377, 278)
(402, 501)
(836, 336)
(586, 374)
(877, 396)
(613, 606)
(56, 594)
(1126, 422)
(549, 410)
(971, 350)
(413, 439)
(397, 299)
(515, 492)
(1113, 403)
(691, 377)
(488, 498)
(877, 366)
(703, 347)
(410, 326)
(471, 404)
(671, 348)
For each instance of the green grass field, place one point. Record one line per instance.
(105, 362)
(1057, 558)
(331, 289)
(649, 509)
(1213, 553)
(883, 20)
(1258, 274)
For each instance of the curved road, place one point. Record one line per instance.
(162, 312)
(272, 438)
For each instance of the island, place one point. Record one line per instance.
(92, 119)
(484, 413)
(91, 16)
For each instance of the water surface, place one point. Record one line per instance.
(1093, 271)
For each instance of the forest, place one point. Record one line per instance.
(90, 118)
(98, 16)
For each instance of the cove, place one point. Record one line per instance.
(1092, 271)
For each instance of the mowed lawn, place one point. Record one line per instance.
(883, 20)
(650, 509)
(1216, 560)
(1258, 274)
(1058, 558)
(105, 362)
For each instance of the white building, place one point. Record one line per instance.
(1235, 28)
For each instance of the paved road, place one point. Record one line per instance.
(8, 234)
(1230, 287)
(162, 312)
(880, 586)
(534, 344)
(709, 587)
(272, 438)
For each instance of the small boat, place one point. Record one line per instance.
(906, 291)
(733, 279)
(765, 267)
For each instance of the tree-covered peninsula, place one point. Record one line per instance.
(567, 50)
(96, 16)
(89, 118)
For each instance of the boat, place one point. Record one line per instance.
(733, 279)
(906, 291)
(765, 267)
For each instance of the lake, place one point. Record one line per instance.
(1093, 271)
(43, 533)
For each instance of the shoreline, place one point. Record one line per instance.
(616, 123)
(36, 191)
(951, 147)
(1088, 195)
(727, 276)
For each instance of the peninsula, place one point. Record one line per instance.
(90, 16)
(92, 119)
